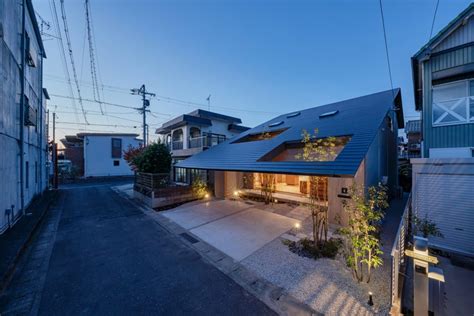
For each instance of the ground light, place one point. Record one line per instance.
(297, 225)
(236, 193)
(206, 196)
(370, 302)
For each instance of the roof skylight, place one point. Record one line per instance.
(293, 114)
(332, 113)
(275, 124)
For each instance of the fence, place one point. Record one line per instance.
(148, 182)
(399, 259)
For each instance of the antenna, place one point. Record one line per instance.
(209, 102)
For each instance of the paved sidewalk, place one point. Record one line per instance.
(14, 242)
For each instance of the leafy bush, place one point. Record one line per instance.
(155, 158)
(199, 188)
(426, 227)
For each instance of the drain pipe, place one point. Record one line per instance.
(22, 108)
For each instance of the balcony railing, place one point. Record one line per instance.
(176, 145)
(206, 141)
(455, 111)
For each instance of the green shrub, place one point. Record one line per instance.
(305, 247)
(155, 158)
(199, 188)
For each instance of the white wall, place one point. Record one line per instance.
(453, 152)
(98, 161)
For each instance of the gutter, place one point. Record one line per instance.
(22, 107)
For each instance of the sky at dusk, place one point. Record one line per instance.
(257, 59)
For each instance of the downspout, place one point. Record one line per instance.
(40, 171)
(22, 108)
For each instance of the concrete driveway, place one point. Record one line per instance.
(234, 227)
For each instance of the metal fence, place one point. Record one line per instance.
(399, 260)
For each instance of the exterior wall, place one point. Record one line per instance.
(98, 161)
(442, 191)
(336, 213)
(464, 34)
(34, 140)
(444, 136)
(381, 158)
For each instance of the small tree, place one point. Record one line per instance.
(362, 233)
(267, 186)
(317, 149)
(199, 188)
(155, 158)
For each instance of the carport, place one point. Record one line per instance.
(236, 228)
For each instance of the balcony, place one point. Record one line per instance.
(206, 141)
(177, 145)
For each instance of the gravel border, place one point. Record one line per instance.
(324, 284)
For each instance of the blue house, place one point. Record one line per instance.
(443, 79)
(443, 180)
(365, 131)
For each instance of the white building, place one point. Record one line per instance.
(100, 154)
(23, 137)
(191, 133)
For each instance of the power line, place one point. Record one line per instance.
(71, 57)
(54, 13)
(94, 101)
(434, 18)
(94, 124)
(95, 84)
(386, 46)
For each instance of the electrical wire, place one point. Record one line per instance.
(434, 18)
(386, 47)
(54, 13)
(71, 58)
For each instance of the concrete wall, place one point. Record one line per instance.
(34, 180)
(98, 161)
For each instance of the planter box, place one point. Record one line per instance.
(157, 191)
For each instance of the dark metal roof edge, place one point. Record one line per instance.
(209, 114)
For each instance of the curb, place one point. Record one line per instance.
(276, 298)
(9, 272)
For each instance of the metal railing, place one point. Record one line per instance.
(176, 145)
(206, 141)
(399, 259)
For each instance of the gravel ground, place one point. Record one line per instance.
(324, 284)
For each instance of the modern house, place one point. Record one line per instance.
(23, 131)
(443, 180)
(365, 131)
(194, 132)
(413, 132)
(99, 154)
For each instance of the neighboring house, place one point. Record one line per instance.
(23, 131)
(194, 132)
(413, 132)
(443, 180)
(99, 154)
(366, 131)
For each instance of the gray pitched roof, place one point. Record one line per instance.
(413, 126)
(360, 117)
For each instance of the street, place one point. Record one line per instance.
(97, 253)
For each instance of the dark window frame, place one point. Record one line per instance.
(116, 150)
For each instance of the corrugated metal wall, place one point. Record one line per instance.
(463, 35)
(445, 197)
(444, 136)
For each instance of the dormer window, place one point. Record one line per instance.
(327, 114)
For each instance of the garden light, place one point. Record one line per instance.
(297, 225)
(236, 193)
(206, 195)
(370, 302)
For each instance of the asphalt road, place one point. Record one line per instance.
(107, 257)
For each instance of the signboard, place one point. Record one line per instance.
(426, 258)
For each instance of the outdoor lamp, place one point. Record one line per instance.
(370, 302)
(297, 225)
(206, 195)
(236, 193)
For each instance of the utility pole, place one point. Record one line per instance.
(146, 103)
(209, 102)
(55, 154)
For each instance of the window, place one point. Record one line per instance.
(265, 135)
(116, 148)
(453, 103)
(116, 163)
